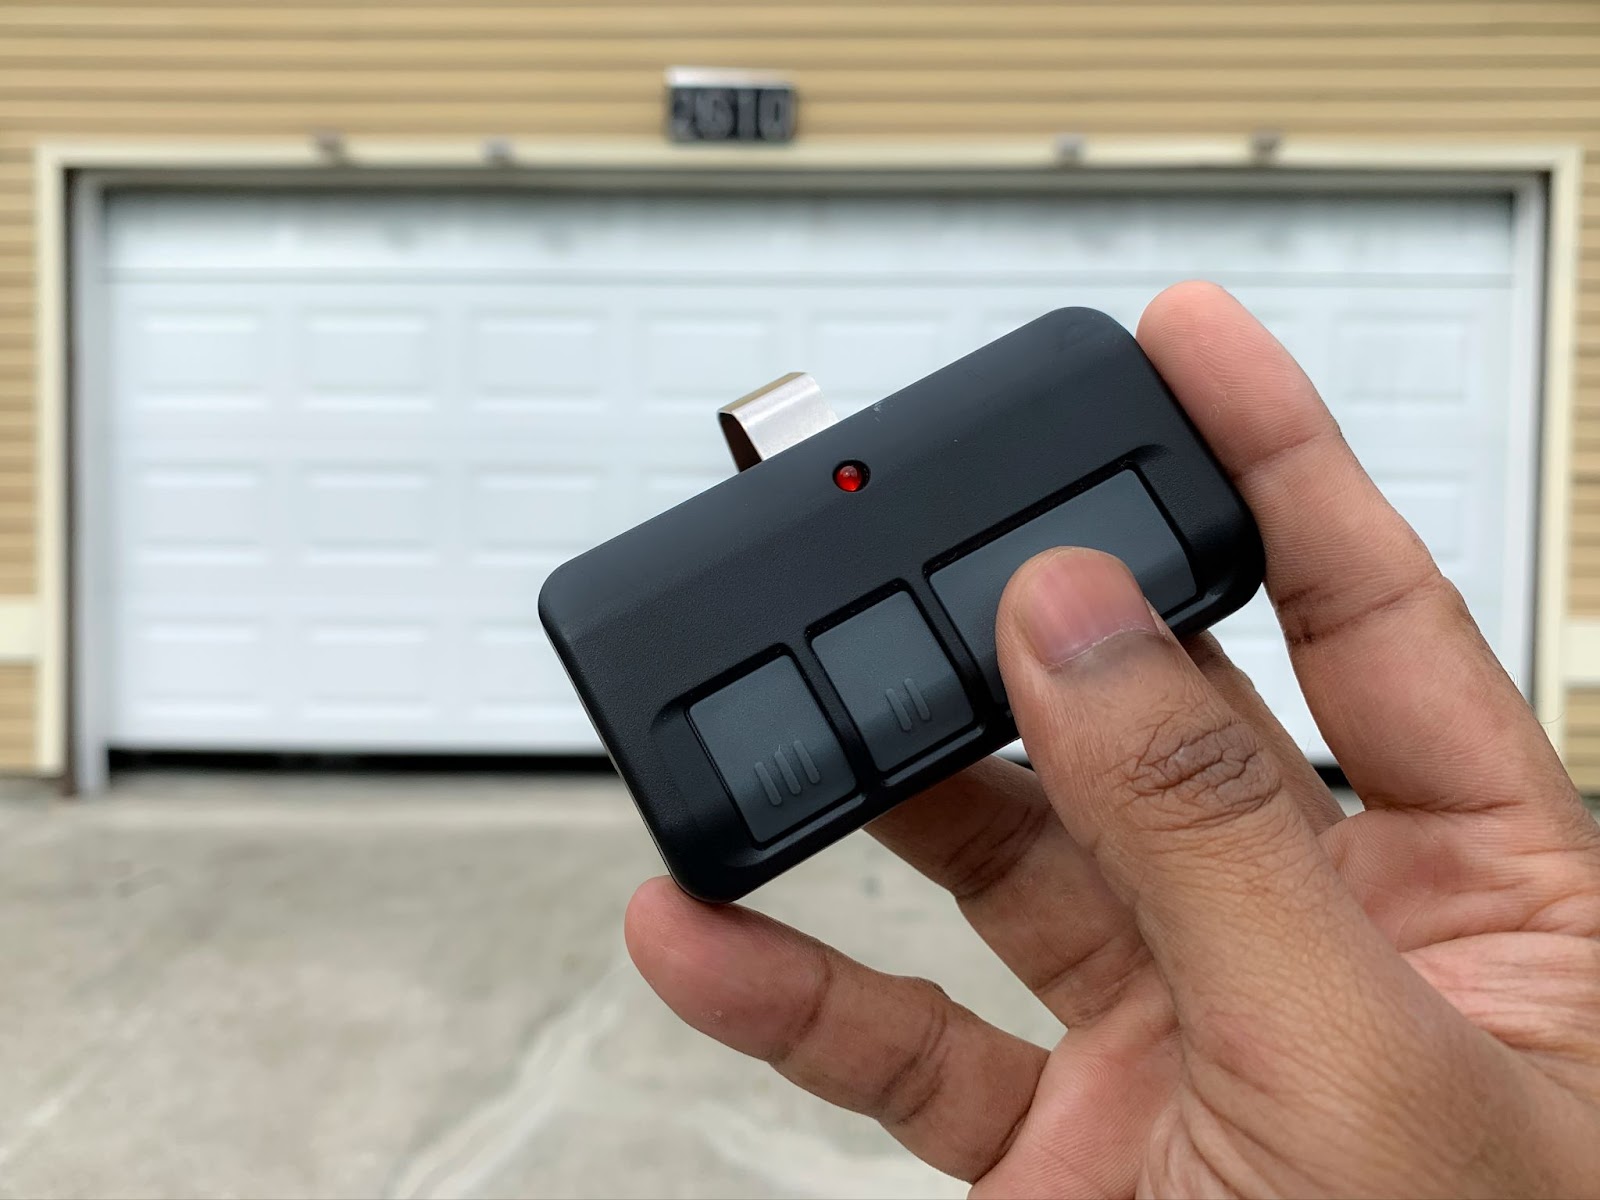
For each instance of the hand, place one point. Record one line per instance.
(1260, 997)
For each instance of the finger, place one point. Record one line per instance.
(1191, 821)
(1408, 695)
(1238, 693)
(950, 1087)
(990, 837)
(1102, 1092)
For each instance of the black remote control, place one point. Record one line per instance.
(794, 651)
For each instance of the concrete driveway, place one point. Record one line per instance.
(404, 985)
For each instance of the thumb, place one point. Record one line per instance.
(1188, 815)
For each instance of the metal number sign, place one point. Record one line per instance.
(715, 105)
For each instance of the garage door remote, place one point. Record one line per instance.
(792, 652)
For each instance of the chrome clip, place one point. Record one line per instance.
(773, 418)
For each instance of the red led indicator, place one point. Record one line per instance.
(850, 476)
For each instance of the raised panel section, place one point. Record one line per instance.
(370, 515)
(516, 676)
(530, 511)
(700, 361)
(370, 361)
(369, 671)
(188, 361)
(1404, 358)
(537, 362)
(205, 671)
(200, 513)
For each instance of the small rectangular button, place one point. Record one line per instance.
(1116, 516)
(901, 690)
(774, 749)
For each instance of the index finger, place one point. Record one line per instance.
(1410, 698)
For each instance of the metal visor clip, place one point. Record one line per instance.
(773, 418)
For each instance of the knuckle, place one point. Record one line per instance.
(984, 861)
(1087, 981)
(1192, 769)
(916, 1080)
(934, 993)
(809, 1018)
(1327, 608)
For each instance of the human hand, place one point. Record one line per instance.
(1261, 997)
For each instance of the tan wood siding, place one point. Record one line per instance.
(1410, 70)
(16, 717)
(1583, 738)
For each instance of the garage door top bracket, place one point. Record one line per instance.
(773, 418)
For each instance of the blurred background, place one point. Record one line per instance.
(327, 331)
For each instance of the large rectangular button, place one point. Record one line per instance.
(901, 690)
(773, 748)
(1116, 516)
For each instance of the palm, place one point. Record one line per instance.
(1500, 957)
(1261, 995)
(1505, 954)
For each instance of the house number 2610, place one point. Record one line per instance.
(731, 114)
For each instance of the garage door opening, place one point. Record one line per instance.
(329, 443)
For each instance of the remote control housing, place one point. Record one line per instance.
(777, 660)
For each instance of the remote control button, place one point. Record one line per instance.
(1116, 516)
(774, 749)
(901, 690)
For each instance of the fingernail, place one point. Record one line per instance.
(1074, 600)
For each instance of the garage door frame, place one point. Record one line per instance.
(69, 668)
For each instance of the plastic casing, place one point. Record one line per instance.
(683, 604)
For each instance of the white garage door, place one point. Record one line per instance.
(345, 437)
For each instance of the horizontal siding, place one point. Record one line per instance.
(16, 717)
(934, 117)
(1443, 89)
(17, 544)
(1402, 69)
(1583, 739)
(387, 50)
(1111, 18)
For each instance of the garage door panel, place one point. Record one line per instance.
(384, 236)
(358, 527)
(347, 437)
(521, 508)
(537, 363)
(366, 364)
(194, 522)
(689, 357)
(193, 358)
(214, 672)
(1336, 236)
(198, 505)
(515, 672)
(368, 673)
(1422, 359)
(377, 360)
